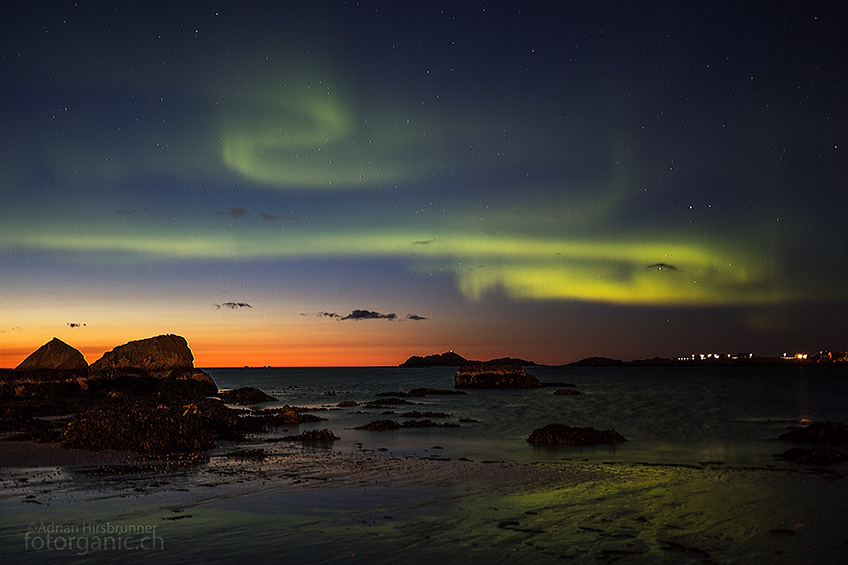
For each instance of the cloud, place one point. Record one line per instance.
(359, 315)
(233, 305)
(369, 315)
(75, 325)
(234, 212)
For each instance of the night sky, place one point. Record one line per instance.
(352, 183)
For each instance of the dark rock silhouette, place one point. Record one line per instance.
(494, 376)
(451, 359)
(55, 354)
(822, 433)
(559, 434)
(447, 359)
(246, 395)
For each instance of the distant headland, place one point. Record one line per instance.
(452, 359)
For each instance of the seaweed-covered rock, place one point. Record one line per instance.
(57, 355)
(818, 456)
(821, 433)
(245, 395)
(559, 434)
(287, 416)
(138, 427)
(314, 436)
(494, 376)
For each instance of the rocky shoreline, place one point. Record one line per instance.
(142, 397)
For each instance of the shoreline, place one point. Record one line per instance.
(323, 505)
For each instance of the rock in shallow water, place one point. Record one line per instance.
(822, 433)
(246, 395)
(486, 375)
(559, 434)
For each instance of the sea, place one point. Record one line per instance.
(670, 415)
(699, 479)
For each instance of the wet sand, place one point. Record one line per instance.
(327, 505)
(19, 454)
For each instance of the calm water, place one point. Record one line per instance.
(668, 414)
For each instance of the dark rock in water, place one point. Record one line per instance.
(380, 426)
(448, 359)
(347, 404)
(55, 354)
(389, 425)
(390, 401)
(158, 356)
(818, 456)
(144, 427)
(566, 392)
(417, 414)
(559, 434)
(246, 395)
(287, 416)
(494, 376)
(314, 436)
(822, 433)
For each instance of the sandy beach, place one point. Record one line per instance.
(326, 505)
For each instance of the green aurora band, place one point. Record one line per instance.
(606, 271)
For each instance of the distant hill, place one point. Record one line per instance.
(451, 359)
(597, 362)
(448, 359)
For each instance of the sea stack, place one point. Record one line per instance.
(486, 375)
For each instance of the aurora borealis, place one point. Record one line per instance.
(506, 178)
